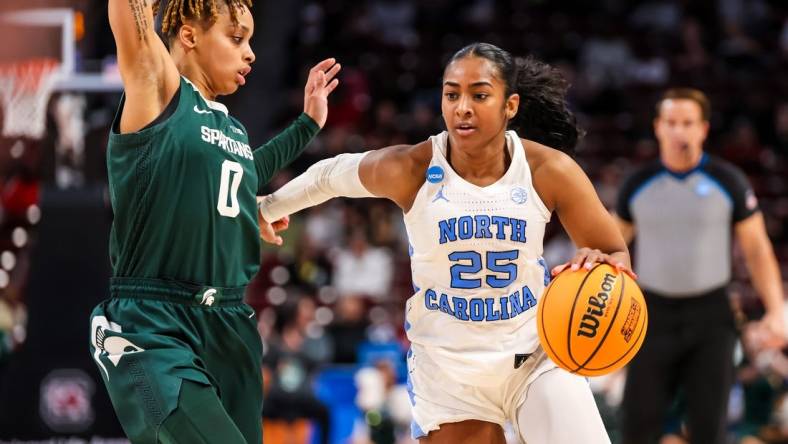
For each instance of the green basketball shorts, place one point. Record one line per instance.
(152, 334)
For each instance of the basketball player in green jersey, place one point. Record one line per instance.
(178, 349)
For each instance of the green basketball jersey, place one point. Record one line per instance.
(183, 195)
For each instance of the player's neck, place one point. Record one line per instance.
(195, 75)
(481, 165)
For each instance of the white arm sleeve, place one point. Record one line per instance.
(329, 178)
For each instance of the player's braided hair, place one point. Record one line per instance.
(544, 115)
(177, 12)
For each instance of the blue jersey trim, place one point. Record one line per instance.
(547, 277)
(415, 430)
(409, 385)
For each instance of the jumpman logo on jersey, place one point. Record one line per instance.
(440, 195)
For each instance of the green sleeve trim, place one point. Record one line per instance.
(284, 148)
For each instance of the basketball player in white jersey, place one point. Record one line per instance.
(476, 199)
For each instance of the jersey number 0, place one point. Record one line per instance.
(231, 172)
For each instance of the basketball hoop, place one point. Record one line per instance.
(25, 87)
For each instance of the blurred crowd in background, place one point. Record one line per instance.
(332, 297)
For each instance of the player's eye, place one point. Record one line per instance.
(481, 96)
(451, 95)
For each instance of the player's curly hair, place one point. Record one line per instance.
(544, 114)
(177, 12)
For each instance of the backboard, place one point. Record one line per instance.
(52, 33)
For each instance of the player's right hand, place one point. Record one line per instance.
(268, 230)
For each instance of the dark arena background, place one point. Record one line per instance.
(335, 291)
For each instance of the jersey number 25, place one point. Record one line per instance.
(471, 262)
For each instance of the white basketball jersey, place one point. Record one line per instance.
(477, 267)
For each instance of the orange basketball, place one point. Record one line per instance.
(592, 322)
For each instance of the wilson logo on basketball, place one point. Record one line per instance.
(592, 322)
(589, 323)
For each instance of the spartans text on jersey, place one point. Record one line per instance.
(216, 137)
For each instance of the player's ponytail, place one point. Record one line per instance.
(544, 115)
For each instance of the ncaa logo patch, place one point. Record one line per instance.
(435, 174)
(518, 195)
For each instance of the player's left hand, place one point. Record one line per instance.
(587, 258)
(268, 231)
(319, 85)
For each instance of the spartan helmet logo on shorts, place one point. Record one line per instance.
(113, 347)
(207, 297)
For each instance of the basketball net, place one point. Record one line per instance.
(25, 87)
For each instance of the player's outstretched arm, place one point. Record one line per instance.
(389, 173)
(150, 77)
(396, 172)
(565, 187)
(278, 152)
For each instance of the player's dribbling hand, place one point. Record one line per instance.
(268, 231)
(587, 258)
(319, 85)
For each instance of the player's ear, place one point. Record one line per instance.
(187, 36)
(512, 105)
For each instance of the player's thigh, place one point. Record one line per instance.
(466, 432)
(560, 409)
(199, 418)
(237, 370)
(440, 401)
